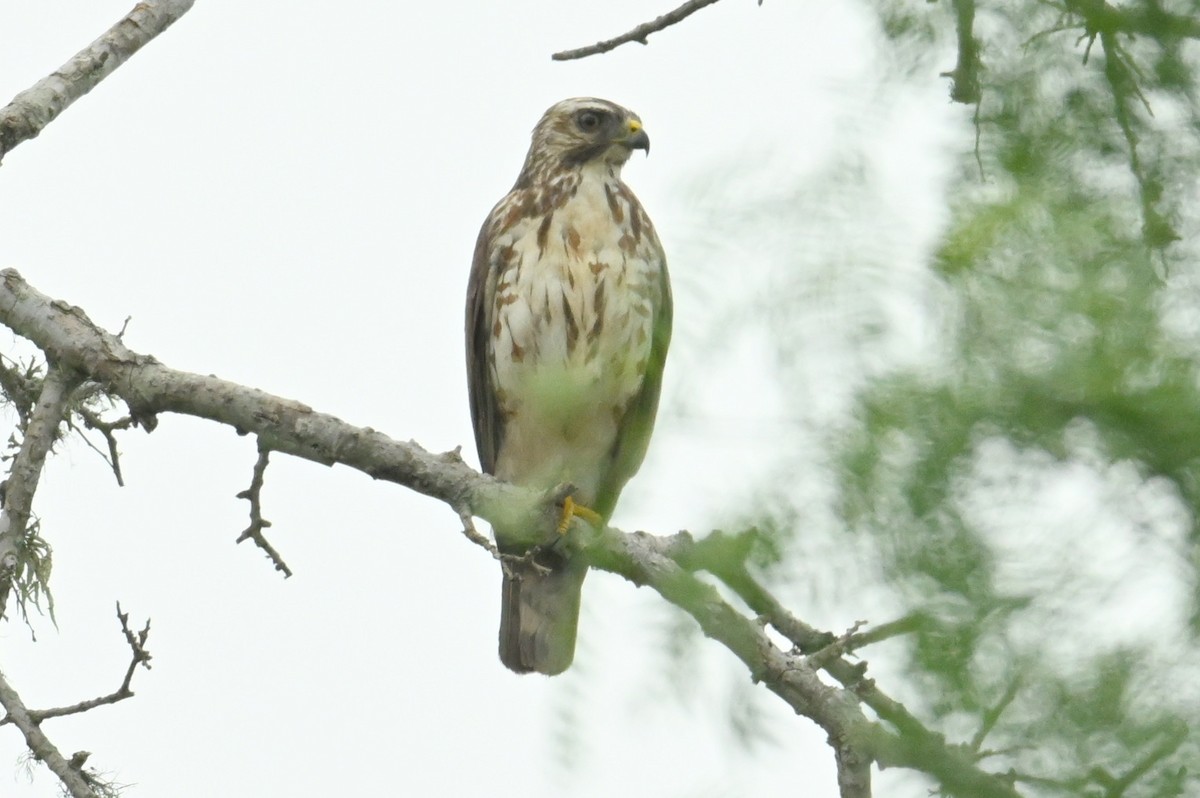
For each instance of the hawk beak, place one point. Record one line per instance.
(636, 138)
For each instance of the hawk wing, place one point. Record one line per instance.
(485, 411)
(636, 424)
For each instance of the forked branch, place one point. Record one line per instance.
(140, 656)
(258, 524)
(68, 772)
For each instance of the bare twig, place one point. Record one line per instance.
(638, 34)
(474, 534)
(507, 561)
(137, 645)
(92, 420)
(880, 632)
(72, 777)
(253, 494)
(33, 109)
(836, 649)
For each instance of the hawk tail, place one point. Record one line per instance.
(539, 613)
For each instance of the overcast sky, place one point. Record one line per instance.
(287, 196)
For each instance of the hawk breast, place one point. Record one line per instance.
(572, 324)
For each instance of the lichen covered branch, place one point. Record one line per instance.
(47, 414)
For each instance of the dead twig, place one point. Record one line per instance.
(93, 421)
(253, 494)
(137, 645)
(639, 33)
(472, 533)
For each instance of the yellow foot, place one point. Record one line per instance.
(573, 510)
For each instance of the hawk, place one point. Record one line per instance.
(568, 322)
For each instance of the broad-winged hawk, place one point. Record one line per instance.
(568, 322)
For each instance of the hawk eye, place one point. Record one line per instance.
(589, 121)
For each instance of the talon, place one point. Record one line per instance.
(572, 509)
(568, 512)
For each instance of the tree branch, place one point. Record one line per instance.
(912, 744)
(639, 33)
(40, 433)
(853, 770)
(140, 656)
(69, 774)
(68, 338)
(1147, 19)
(33, 109)
(649, 560)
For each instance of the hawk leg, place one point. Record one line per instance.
(572, 509)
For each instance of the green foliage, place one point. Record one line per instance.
(1065, 405)
(1027, 483)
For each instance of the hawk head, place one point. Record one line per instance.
(581, 130)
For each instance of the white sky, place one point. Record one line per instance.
(287, 196)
